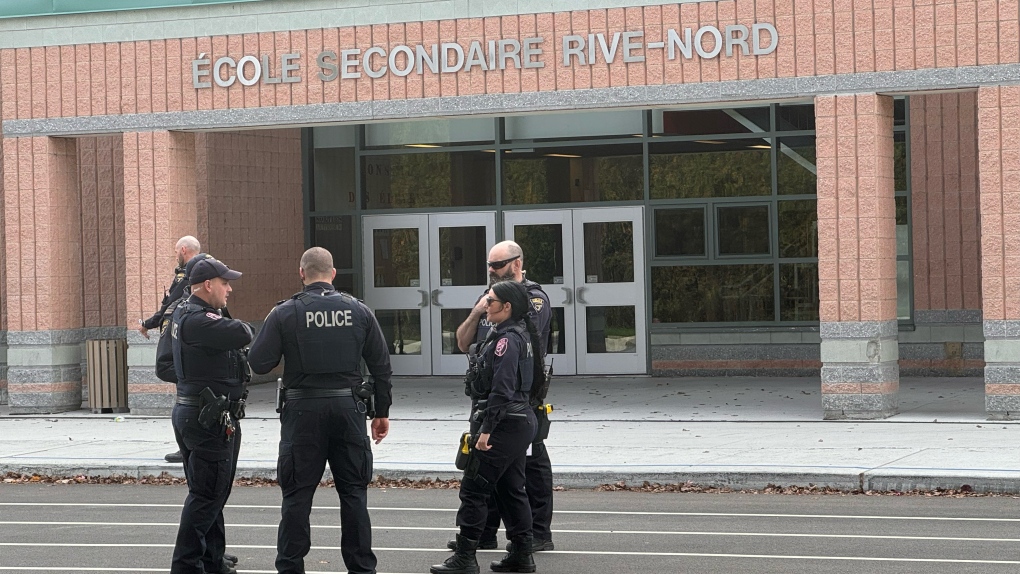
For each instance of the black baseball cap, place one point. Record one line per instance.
(211, 268)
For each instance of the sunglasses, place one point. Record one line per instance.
(502, 264)
(491, 300)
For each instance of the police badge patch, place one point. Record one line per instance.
(537, 303)
(501, 347)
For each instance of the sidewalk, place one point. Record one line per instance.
(737, 432)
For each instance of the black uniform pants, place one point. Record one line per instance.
(539, 486)
(500, 476)
(314, 432)
(210, 462)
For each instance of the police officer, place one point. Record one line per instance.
(186, 249)
(506, 262)
(323, 335)
(210, 382)
(509, 367)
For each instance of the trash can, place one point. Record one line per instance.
(106, 369)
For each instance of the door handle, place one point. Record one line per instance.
(435, 297)
(580, 295)
(424, 298)
(569, 293)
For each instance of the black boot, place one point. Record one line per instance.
(518, 558)
(483, 545)
(463, 560)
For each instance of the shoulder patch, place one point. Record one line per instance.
(501, 347)
(212, 315)
(537, 303)
(180, 275)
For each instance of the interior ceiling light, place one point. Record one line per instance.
(714, 142)
(422, 145)
(561, 155)
(760, 146)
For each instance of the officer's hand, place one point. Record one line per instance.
(483, 442)
(380, 428)
(481, 305)
(143, 331)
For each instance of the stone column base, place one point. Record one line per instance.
(1002, 370)
(44, 371)
(3, 367)
(147, 395)
(860, 375)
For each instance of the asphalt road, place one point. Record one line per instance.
(100, 528)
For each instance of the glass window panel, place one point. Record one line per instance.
(902, 229)
(543, 249)
(710, 168)
(797, 167)
(333, 136)
(743, 230)
(534, 127)
(336, 234)
(904, 286)
(609, 252)
(451, 319)
(798, 228)
(442, 179)
(345, 282)
(900, 111)
(900, 161)
(573, 174)
(611, 329)
(396, 257)
(798, 292)
(704, 122)
(430, 133)
(713, 294)
(680, 232)
(401, 329)
(334, 185)
(558, 332)
(462, 253)
(795, 117)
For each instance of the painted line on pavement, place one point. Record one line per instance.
(595, 512)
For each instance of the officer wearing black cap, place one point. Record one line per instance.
(323, 335)
(506, 262)
(210, 382)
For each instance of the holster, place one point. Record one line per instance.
(211, 408)
(365, 392)
(281, 396)
(542, 414)
(465, 450)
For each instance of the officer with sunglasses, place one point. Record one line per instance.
(506, 262)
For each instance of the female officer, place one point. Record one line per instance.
(508, 426)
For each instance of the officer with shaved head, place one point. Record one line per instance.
(323, 335)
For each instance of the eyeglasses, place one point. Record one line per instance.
(491, 300)
(502, 264)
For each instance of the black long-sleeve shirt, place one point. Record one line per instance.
(176, 292)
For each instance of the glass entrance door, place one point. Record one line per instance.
(423, 273)
(590, 262)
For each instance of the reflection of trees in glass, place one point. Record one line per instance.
(680, 231)
(792, 176)
(543, 251)
(564, 180)
(609, 251)
(743, 230)
(396, 257)
(458, 261)
(710, 294)
(402, 330)
(435, 179)
(900, 162)
(798, 228)
(716, 174)
(798, 292)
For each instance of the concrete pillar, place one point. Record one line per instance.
(160, 206)
(999, 190)
(857, 256)
(42, 229)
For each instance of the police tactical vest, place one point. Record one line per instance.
(525, 365)
(329, 340)
(193, 363)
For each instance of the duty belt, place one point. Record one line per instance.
(188, 400)
(292, 394)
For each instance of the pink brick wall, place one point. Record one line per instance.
(101, 181)
(944, 179)
(817, 37)
(43, 234)
(856, 211)
(999, 168)
(255, 213)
